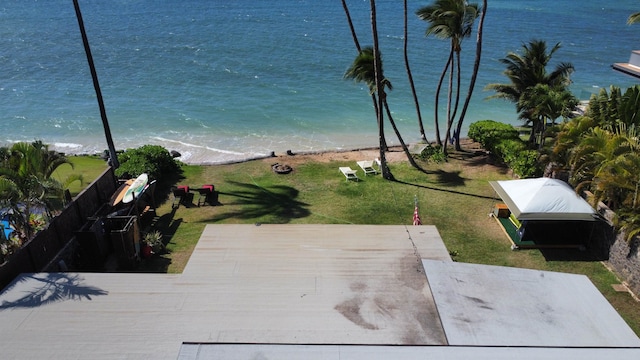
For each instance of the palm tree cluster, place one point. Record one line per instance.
(602, 151)
(27, 188)
(448, 19)
(539, 95)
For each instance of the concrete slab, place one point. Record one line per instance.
(501, 306)
(300, 284)
(355, 352)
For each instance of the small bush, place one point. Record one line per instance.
(489, 133)
(504, 142)
(433, 153)
(154, 160)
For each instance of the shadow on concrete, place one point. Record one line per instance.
(53, 287)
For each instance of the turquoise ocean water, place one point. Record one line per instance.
(228, 80)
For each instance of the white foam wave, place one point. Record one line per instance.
(67, 145)
(198, 146)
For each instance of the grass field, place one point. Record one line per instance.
(454, 196)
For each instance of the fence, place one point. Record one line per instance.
(44, 251)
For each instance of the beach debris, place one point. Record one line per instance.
(281, 168)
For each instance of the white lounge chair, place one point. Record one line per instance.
(367, 167)
(349, 173)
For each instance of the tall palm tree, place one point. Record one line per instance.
(451, 20)
(527, 70)
(383, 142)
(96, 84)
(423, 136)
(542, 103)
(474, 75)
(363, 69)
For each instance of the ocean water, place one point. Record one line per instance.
(222, 81)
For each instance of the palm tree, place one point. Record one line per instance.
(542, 103)
(474, 75)
(27, 184)
(526, 71)
(383, 143)
(423, 136)
(452, 20)
(113, 157)
(363, 69)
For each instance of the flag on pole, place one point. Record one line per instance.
(416, 213)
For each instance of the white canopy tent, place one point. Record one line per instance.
(543, 199)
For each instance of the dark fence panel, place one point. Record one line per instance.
(43, 247)
(20, 262)
(40, 251)
(66, 223)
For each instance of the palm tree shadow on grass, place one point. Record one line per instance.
(449, 191)
(52, 288)
(277, 202)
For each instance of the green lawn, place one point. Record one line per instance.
(454, 196)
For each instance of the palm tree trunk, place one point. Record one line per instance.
(94, 75)
(353, 30)
(455, 106)
(384, 167)
(438, 90)
(357, 44)
(423, 136)
(402, 143)
(449, 96)
(472, 83)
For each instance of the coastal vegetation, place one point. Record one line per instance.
(538, 94)
(29, 194)
(601, 153)
(154, 160)
(449, 20)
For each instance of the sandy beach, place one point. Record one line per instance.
(394, 154)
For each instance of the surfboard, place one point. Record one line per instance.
(119, 193)
(135, 188)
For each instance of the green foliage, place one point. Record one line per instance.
(433, 153)
(26, 184)
(610, 108)
(489, 132)
(503, 141)
(154, 160)
(155, 239)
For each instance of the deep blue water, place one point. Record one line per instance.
(225, 80)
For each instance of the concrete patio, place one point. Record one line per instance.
(312, 291)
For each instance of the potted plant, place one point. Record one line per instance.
(152, 244)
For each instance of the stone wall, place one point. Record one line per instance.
(623, 256)
(623, 260)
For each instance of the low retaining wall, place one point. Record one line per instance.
(624, 261)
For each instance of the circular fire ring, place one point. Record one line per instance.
(281, 168)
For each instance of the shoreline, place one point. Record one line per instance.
(394, 154)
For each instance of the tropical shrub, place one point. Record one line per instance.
(602, 151)
(27, 187)
(433, 153)
(489, 132)
(504, 142)
(154, 160)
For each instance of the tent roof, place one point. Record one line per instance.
(543, 199)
